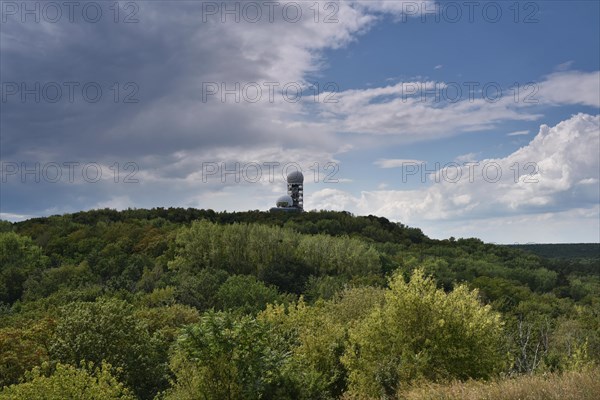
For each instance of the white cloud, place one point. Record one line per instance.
(571, 226)
(396, 163)
(172, 117)
(552, 176)
(421, 110)
(518, 133)
(588, 181)
(565, 66)
(15, 217)
(439, 66)
(469, 157)
(116, 202)
(571, 87)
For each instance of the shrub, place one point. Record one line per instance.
(422, 332)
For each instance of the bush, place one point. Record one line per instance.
(67, 382)
(228, 357)
(23, 348)
(247, 295)
(108, 330)
(421, 332)
(19, 259)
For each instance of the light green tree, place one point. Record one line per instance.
(318, 336)
(68, 382)
(421, 332)
(228, 357)
(19, 258)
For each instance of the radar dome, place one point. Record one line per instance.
(285, 201)
(295, 177)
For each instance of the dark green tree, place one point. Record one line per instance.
(108, 330)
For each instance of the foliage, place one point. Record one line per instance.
(67, 382)
(200, 289)
(423, 333)
(65, 277)
(324, 287)
(107, 330)
(251, 249)
(318, 342)
(311, 289)
(247, 295)
(226, 357)
(19, 259)
(319, 337)
(22, 348)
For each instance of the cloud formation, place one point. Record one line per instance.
(193, 73)
(556, 173)
(423, 110)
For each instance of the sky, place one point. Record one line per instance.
(465, 119)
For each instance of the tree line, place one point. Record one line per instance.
(195, 304)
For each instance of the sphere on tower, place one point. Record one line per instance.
(295, 177)
(293, 201)
(284, 201)
(295, 183)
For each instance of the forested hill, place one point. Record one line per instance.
(329, 222)
(590, 251)
(277, 305)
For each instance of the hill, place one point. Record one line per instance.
(571, 251)
(268, 305)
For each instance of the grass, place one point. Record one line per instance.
(566, 386)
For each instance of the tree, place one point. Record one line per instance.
(228, 357)
(422, 332)
(200, 289)
(244, 293)
(108, 330)
(69, 277)
(318, 337)
(21, 349)
(67, 382)
(323, 287)
(19, 257)
(317, 342)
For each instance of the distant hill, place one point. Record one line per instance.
(563, 251)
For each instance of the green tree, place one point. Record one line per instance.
(323, 287)
(21, 349)
(200, 289)
(317, 342)
(19, 258)
(422, 332)
(228, 357)
(108, 330)
(244, 293)
(5, 226)
(67, 382)
(318, 337)
(69, 277)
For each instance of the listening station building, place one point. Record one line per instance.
(293, 201)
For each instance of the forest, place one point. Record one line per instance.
(195, 304)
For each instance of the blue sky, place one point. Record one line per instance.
(566, 33)
(155, 150)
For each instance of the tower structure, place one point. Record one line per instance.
(294, 200)
(295, 186)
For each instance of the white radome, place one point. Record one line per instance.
(285, 201)
(295, 177)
